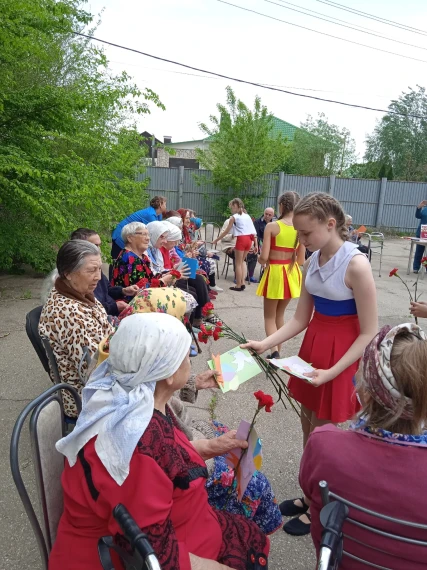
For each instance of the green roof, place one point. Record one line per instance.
(283, 128)
(278, 127)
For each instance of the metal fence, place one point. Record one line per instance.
(374, 203)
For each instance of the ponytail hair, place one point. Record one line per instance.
(239, 204)
(287, 203)
(323, 206)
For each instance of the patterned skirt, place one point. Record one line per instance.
(258, 503)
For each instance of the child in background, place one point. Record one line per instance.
(243, 229)
(282, 278)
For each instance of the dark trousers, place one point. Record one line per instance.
(419, 254)
(115, 250)
(200, 289)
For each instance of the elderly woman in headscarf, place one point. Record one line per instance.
(196, 249)
(258, 502)
(127, 448)
(162, 240)
(378, 462)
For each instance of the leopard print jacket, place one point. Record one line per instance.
(70, 325)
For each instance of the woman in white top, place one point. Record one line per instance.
(338, 285)
(242, 227)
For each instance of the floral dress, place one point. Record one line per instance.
(130, 269)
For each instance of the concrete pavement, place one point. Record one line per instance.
(22, 378)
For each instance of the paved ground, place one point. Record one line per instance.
(22, 378)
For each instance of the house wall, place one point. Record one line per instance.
(163, 156)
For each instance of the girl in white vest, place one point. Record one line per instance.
(242, 227)
(339, 286)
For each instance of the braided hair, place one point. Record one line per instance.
(239, 204)
(287, 203)
(323, 206)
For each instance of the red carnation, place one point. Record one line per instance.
(155, 283)
(208, 309)
(202, 337)
(264, 400)
(393, 272)
(217, 334)
(424, 261)
(175, 274)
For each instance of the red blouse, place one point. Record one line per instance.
(164, 492)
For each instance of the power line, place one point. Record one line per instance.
(373, 17)
(263, 84)
(321, 33)
(345, 25)
(249, 82)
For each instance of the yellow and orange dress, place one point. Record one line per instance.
(279, 280)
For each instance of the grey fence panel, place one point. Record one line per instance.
(359, 198)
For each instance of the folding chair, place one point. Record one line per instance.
(47, 426)
(335, 513)
(44, 350)
(375, 245)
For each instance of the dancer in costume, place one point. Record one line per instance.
(242, 227)
(281, 253)
(339, 286)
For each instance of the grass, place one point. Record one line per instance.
(26, 294)
(213, 402)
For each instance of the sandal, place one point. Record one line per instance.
(296, 527)
(290, 509)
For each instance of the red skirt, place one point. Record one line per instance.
(326, 341)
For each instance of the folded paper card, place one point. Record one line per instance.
(192, 264)
(234, 367)
(294, 366)
(251, 460)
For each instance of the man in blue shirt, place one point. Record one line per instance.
(261, 223)
(153, 213)
(420, 214)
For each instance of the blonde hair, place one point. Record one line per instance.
(323, 206)
(239, 203)
(287, 202)
(408, 364)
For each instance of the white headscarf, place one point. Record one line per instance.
(174, 233)
(156, 229)
(175, 221)
(118, 401)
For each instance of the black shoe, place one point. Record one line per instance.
(290, 509)
(274, 354)
(237, 288)
(296, 527)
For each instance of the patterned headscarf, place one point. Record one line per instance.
(378, 378)
(118, 401)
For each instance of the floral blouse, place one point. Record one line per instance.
(130, 269)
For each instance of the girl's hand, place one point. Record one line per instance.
(255, 345)
(319, 377)
(418, 309)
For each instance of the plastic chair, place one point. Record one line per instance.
(335, 513)
(47, 426)
(44, 350)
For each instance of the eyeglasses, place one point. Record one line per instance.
(139, 234)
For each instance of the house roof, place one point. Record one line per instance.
(283, 128)
(287, 130)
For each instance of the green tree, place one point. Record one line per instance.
(320, 148)
(69, 149)
(401, 141)
(242, 150)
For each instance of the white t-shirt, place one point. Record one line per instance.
(243, 225)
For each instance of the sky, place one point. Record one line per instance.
(214, 36)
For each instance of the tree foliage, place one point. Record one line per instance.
(69, 150)
(242, 151)
(320, 148)
(401, 141)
